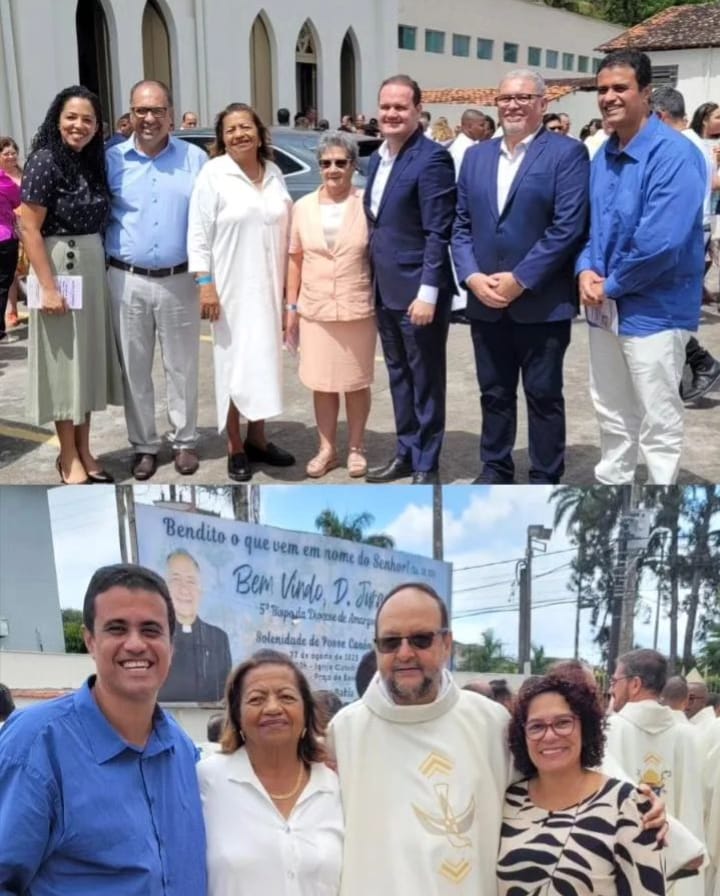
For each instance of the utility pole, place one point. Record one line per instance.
(536, 538)
(579, 605)
(437, 522)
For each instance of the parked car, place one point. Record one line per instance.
(295, 155)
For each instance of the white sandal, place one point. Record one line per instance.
(356, 463)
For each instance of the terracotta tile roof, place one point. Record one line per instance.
(485, 96)
(39, 693)
(675, 28)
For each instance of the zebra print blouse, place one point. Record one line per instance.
(596, 847)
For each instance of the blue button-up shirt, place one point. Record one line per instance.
(149, 201)
(84, 812)
(646, 233)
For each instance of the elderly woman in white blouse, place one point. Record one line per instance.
(237, 248)
(272, 808)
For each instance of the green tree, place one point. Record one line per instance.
(487, 656)
(72, 631)
(351, 528)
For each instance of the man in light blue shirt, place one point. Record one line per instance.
(98, 791)
(640, 275)
(151, 177)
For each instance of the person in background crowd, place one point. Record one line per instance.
(98, 789)
(599, 842)
(346, 124)
(328, 705)
(7, 704)
(669, 106)
(302, 123)
(189, 120)
(237, 246)
(640, 276)
(201, 652)
(501, 693)
(565, 122)
(283, 117)
(513, 247)
(360, 123)
(473, 128)
(10, 164)
(123, 129)
(367, 667)
(72, 358)
(552, 122)
(323, 125)
(441, 132)
(311, 115)
(270, 778)
(372, 129)
(425, 119)
(151, 177)
(479, 686)
(330, 304)
(410, 203)
(214, 729)
(675, 695)
(9, 203)
(491, 126)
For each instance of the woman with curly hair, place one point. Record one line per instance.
(237, 248)
(568, 828)
(272, 809)
(72, 359)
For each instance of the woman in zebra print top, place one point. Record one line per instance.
(569, 830)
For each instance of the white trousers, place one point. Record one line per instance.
(166, 306)
(635, 388)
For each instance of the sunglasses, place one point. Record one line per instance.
(338, 163)
(418, 641)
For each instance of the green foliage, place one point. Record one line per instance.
(622, 12)
(487, 656)
(72, 631)
(351, 528)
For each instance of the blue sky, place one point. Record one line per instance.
(484, 536)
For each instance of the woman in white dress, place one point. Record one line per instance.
(237, 248)
(272, 808)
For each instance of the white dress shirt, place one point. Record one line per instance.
(457, 149)
(252, 850)
(508, 166)
(426, 293)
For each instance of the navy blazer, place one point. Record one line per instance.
(410, 235)
(539, 233)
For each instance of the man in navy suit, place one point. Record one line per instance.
(410, 203)
(521, 220)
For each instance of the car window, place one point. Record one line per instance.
(286, 163)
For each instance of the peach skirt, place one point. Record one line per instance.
(337, 356)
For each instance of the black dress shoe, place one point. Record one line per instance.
(397, 468)
(270, 455)
(144, 466)
(238, 467)
(426, 477)
(703, 381)
(186, 461)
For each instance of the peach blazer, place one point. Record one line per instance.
(335, 283)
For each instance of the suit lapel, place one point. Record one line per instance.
(533, 152)
(491, 182)
(404, 157)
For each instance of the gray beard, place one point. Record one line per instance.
(410, 695)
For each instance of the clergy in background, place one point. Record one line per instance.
(201, 652)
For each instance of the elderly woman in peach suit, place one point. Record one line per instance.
(330, 304)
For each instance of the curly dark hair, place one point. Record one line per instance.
(218, 148)
(91, 159)
(570, 682)
(309, 746)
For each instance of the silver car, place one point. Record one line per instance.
(295, 155)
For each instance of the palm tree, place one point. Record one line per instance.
(703, 566)
(487, 656)
(351, 528)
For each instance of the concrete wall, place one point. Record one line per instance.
(698, 74)
(28, 588)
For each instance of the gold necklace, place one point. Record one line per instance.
(286, 796)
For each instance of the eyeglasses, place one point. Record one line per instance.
(616, 678)
(144, 111)
(418, 641)
(338, 163)
(562, 726)
(522, 99)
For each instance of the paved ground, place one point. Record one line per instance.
(27, 453)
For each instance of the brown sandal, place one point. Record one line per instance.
(324, 461)
(356, 463)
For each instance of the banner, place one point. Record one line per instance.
(240, 587)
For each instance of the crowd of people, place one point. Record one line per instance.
(518, 228)
(416, 786)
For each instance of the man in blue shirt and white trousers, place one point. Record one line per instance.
(98, 791)
(151, 176)
(640, 275)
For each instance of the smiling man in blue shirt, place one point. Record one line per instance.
(151, 176)
(642, 268)
(98, 792)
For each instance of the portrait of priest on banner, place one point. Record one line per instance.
(201, 652)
